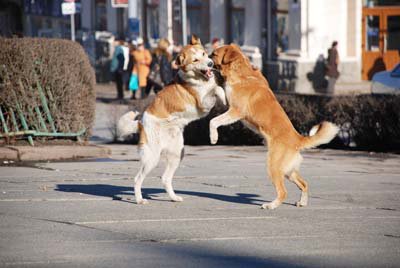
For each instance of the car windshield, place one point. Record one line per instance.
(396, 71)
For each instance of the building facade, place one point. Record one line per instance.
(291, 34)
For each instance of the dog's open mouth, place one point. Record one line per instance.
(207, 73)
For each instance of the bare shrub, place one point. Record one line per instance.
(63, 72)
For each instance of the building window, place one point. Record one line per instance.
(372, 3)
(237, 16)
(194, 18)
(152, 19)
(282, 31)
(100, 15)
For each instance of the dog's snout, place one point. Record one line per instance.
(210, 64)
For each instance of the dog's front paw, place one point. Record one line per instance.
(177, 199)
(271, 205)
(303, 200)
(213, 136)
(142, 201)
(301, 204)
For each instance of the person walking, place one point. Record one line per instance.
(117, 67)
(126, 72)
(143, 59)
(332, 67)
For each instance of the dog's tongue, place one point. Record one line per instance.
(209, 73)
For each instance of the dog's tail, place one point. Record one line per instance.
(320, 134)
(127, 124)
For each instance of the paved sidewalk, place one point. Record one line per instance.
(69, 214)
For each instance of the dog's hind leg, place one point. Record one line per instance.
(173, 155)
(173, 161)
(149, 160)
(279, 161)
(278, 179)
(303, 186)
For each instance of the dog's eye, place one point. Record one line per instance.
(195, 60)
(204, 54)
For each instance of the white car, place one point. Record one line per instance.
(386, 82)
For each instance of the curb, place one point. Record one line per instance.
(57, 152)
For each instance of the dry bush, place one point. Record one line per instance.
(368, 122)
(374, 120)
(62, 70)
(371, 122)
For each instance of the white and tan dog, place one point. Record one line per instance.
(191, 97)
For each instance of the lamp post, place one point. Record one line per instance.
(184, 24)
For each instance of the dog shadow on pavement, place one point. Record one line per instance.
(116, 192)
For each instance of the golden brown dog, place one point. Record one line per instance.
(252, 101)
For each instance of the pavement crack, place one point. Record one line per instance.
(215, 185)
(150, 240)
(69, 223)
(392, 236)
(391, 209)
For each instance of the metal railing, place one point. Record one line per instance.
(28, 123)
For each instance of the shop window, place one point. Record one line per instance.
(152, 13)
(372, 3)
(282, 31)
(372, 25)
(100, 15)
(392, 40)
(237, 19)
(194, 18)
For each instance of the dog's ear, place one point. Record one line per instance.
(195, 40)
(234, 45)
(179, 60)
(231, 54)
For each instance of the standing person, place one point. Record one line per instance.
(142, 58)
(161, 69)
(117, 67)
(133, 83)
(332, 67)
(126, 73)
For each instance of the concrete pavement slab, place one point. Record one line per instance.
(82, 213)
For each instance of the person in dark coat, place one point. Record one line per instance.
(161, 73)
(165, 59)
(332, 67)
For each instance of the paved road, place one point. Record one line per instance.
(82, 213)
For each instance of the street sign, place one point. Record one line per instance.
(69, 8)
(134, 26)
(119, 3)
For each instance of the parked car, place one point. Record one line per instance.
(386, 82)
